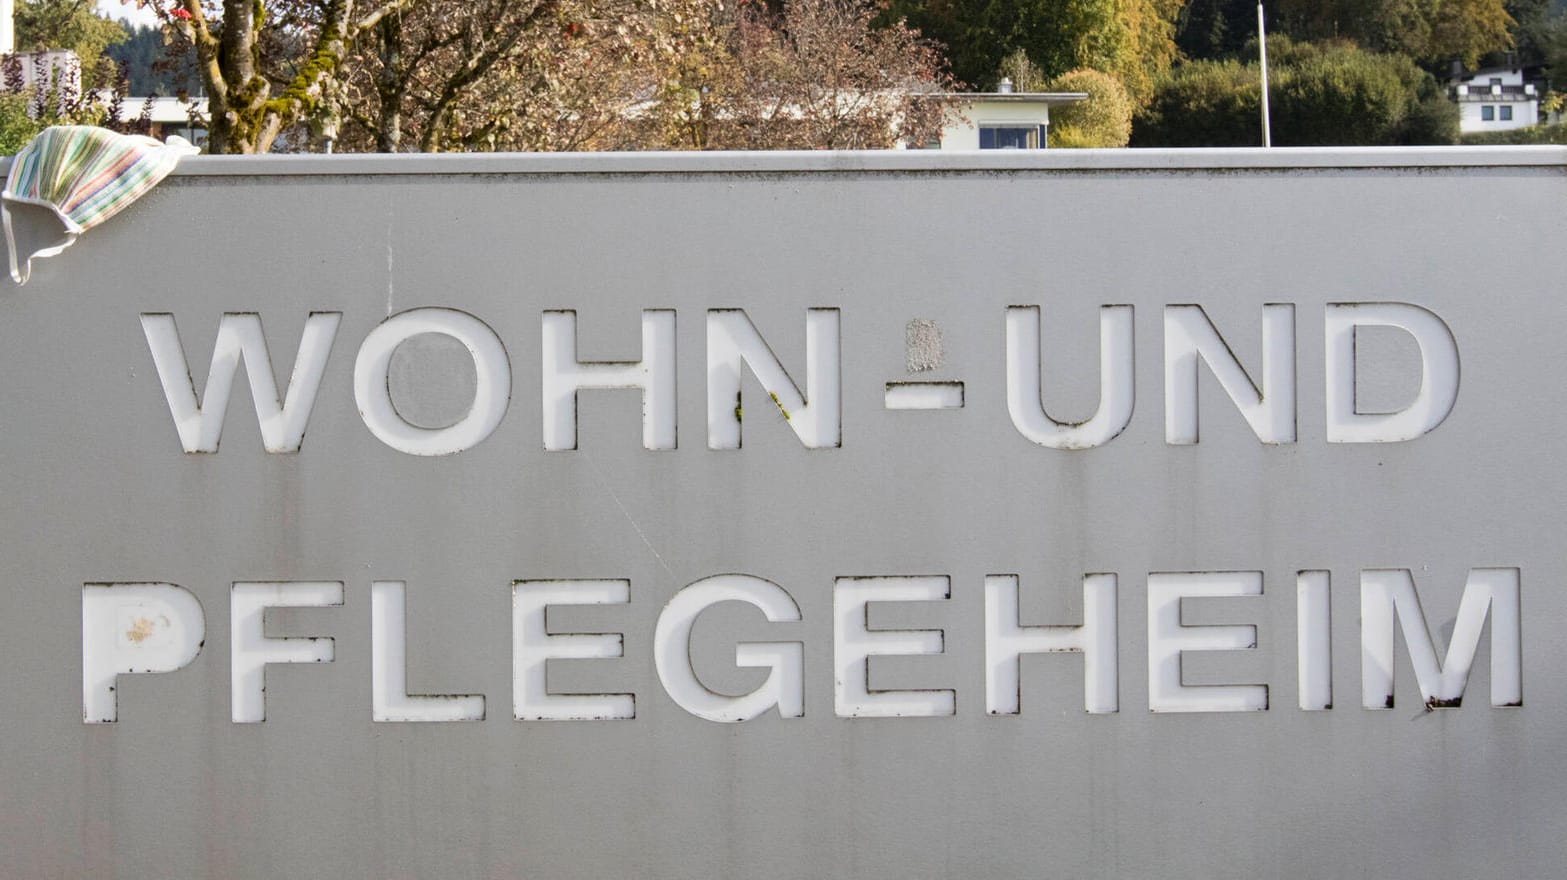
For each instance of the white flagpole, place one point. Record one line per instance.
(1262, 49)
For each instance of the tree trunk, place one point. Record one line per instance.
(235, 116)
(391, 83)
(245, 118)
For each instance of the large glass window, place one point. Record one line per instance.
(1022, 137)
(1487, 112)
(1507, 114)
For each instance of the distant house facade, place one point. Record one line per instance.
(186, 117)
(1003, 119)
(55, 73)
(1494, 99)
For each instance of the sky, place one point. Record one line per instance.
(126, 12)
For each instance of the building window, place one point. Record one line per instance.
(1507, 114)
(1496, 81)
(1029, 137)
(1487, 112)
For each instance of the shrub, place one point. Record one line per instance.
(1321, 94)
(1534, 134)
(1203, 104)
(1104, 120)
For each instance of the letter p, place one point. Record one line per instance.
(133, 628)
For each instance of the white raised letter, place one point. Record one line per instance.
(253, 649)
(492, 385)
(1168, 638)
(733, 342)
(200, 422)
(1438, 373)
(854, 643)
(133, 628)
(532, 646)
(564, 376)
(1314, 639)
(1006, 639)
(1117, 393)
(1190, 337)
(1386, 593)
(389, 697)
(785, 661)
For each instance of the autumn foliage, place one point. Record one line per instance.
(1104, 120)
(817, 76)
(443, 75)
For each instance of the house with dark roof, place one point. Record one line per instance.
(1494, 99)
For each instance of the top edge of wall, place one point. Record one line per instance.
(816, 162)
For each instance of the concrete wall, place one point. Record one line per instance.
(918, 271)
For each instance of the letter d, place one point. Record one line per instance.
(1438, 373)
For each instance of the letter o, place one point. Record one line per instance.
(492, 390)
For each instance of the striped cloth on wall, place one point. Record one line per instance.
(85, 175)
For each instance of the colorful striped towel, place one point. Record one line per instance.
(85, 175)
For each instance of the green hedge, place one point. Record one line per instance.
(1320, 94)
(1534, 134)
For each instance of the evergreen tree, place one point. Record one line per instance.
(1215, 28)
(152, 67)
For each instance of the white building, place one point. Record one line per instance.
(1004, 119)
(172, 116)
(54, 76)
(1495, 99)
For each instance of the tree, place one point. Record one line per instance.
(1148, 45)
(570, 86)
(689, 80)
(1203, 104)
(266, 64)
(1531, 26)
(1329, 19)
(561, 74)
(1555, 49)
(73, 25)
(1023, 73)
(1541, 35)
(1321, 94)
(151, 68)
(1104, 120)
(530, 75)
(818, 75)
(1131, 39)
(1461, 29)
(1335, 94)
(1215, 28)
(500, 74)
(417, 66)
(1429, 31)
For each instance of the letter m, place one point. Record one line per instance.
(1386, 594)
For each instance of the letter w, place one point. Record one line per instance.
(200, 422)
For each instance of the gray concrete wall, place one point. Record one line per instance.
(97, 488)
